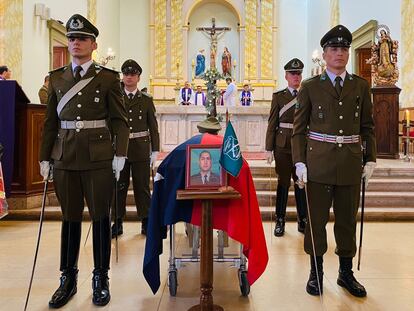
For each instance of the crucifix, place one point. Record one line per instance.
(214, 33)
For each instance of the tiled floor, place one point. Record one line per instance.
(387, 273)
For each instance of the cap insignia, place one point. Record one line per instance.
(76, 24)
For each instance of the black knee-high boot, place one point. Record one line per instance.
(347, 280)
(312, 285)
(101, 257)
(301, 208)
(69, 254)
(281, 202)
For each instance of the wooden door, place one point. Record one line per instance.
(364, 69)
(60, 56)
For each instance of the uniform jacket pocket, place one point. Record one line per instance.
(100, 147)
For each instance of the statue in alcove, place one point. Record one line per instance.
(226, 62)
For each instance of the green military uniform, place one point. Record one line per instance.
(141, 119)
(77, 139)
(331, 125)
(143, 140)
(278, 135)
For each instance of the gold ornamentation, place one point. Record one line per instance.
(383, 59)
(334, 13)
(11, 30)
(407, 71)
(91, 14)
(250, 48)
(266, 39)
(160, 38)
(176, 37)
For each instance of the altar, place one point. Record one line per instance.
(179, 123)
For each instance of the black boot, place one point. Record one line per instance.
(312, 287)
(144, 226)
(301, 208)
(281, 202)
(101, 257)
(117, 228)
(347, 280)
(69, 253)
(280, 227)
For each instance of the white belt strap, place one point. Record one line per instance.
(73, 91)
(287, 106)
(85, 124)
(351, 139)
(139, 134)
(286, 125)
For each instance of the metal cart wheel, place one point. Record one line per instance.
(172, 283)
(244, 283)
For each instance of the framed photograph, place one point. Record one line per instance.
(203, 170)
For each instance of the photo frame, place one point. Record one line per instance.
(203, 169)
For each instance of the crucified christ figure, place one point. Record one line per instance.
(214, 33)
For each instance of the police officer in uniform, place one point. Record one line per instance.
(85, 110)
(278, 135)
(144, 145)
(333, 122)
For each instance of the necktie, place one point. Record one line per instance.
(338, 86)
(77, 73)
(131, 95)
(205, 179)
(295, 93)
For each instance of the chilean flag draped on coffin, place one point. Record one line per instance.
(239, 218)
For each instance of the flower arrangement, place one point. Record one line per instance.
(213, 92)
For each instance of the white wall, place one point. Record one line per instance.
(201, 17)
(107, 21)
(134, 35)
(35, 60)
(292, 36)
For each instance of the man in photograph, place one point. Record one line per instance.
(205, 176)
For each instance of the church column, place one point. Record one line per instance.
(177, 37)
(170, 62)
(258, 39)
(160, 51)
(241, 65)
(334, 12)
(275, 29)
(91, 14)
(184, 50)
(266, 45)
(152, 39)
(407, 51)
(11, 30)
(250, 48)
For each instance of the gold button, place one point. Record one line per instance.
(78, 118)
(320, 107)
(340, 103)
(78, 130)
(341, 131)
(100, 136)
(97, 91)
(130, 111)
(80, 93)
(79, 105)
(341, 117)
(130, 119)
(339, 145)
(310, 148)
(130, 128)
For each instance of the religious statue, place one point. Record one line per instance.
(214, 33)
(201, 63)
(384, 58)
(226, 62)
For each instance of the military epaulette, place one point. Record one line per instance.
(307, 80)
(106, 68)
(280, 91)
(356, 76)
(58, 69)
(146, 94)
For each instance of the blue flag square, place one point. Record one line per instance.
(231, 158)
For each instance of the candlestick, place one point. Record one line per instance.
(407, 116)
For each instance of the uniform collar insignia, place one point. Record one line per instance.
(323, 76)
(350, 77)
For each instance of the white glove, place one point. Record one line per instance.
(117, 166)
(368, 171)
(153, 158)
(45, 170)
(269, 157)
(302, 173)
